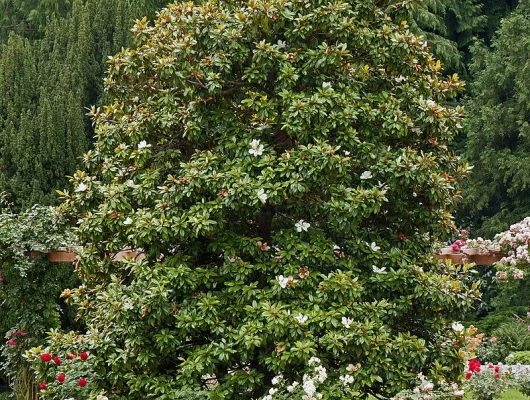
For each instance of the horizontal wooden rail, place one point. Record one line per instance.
(456, 258)
(71, 256)
(479, 259)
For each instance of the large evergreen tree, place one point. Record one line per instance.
(28, 17)
(448, 26)
(451, 26)
(46, 85)
(498, 133)
(283, 167)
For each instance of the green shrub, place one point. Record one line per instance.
(283, 167)
(510, 337)
(30, 287)
(519, 357)
(523, 383)
(495, 319)
(514, 335)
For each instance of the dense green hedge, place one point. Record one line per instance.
(30, 287)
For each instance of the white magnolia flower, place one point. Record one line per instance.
(128, 221)
(143, 145)
(458, 327)
(256, 149)
(282, 280)
(281, 44)
(302, 226)
(366, 175)
(82, 187)
(326, 85)
(378, 270)
(272, 391)
(262, 195)
(347, 322)
(346, 153)
(301, 318)
(374, 246)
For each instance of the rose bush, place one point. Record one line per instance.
(282, 167)
(488, 382)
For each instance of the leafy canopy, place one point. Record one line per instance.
(283, 167)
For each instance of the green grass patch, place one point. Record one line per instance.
(510, 394)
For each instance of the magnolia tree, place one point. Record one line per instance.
(283, 168)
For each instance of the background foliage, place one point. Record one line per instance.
(46, 86)
(497, 129)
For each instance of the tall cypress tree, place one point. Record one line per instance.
(46, 87)
(498, 132)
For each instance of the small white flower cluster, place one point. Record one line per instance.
(425, 390)
(308, 388)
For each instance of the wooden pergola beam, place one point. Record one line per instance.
(479, 259)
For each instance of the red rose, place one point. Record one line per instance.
(82, 382)
(43, 386)
(497, 375)
(61, 377)
(12, 342)
(469, 375)
(70, 356)
(46, 357)
(496, 368)
(474, 365)
(57, 360)
(83, 356)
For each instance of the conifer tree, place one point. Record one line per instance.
(47, 86)
(497, 129)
